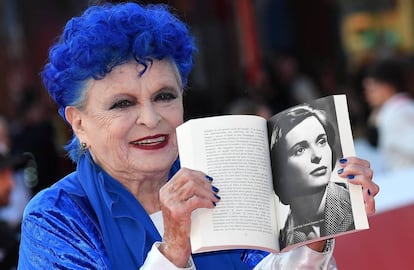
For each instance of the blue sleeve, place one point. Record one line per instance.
(253, 257)
(56, 236)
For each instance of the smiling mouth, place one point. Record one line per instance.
(150, 143)
(319, 171)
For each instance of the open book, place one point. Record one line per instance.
(278, 179)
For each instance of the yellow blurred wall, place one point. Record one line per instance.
(369, 35)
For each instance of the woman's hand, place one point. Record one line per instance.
(358, 171)
(186, 191)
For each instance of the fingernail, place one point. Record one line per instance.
(209, 178)
(343, 160)
(351, 176)
(214, 189)
(214, 203)
(369, 192)
(340, 170)
(217, 196)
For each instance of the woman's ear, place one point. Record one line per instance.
(74, 117)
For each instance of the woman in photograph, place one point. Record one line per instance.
(303, 158)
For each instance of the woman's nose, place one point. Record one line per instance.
(148, 116)
(316, 158)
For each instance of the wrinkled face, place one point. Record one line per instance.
(309, 157)
(129, 121)
(6, 186)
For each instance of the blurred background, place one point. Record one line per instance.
(256, 57)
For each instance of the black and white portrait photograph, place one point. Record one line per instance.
(305, 150)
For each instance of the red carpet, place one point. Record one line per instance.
(388, 244)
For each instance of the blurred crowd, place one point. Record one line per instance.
(379, 92)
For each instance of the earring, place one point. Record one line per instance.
(84, 146)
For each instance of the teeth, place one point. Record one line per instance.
(151, 141)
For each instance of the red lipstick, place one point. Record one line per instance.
(151, 142)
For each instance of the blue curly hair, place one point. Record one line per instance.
(108, 35)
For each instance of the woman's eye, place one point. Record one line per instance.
(165, 96)
(121, 104)
(322, 141)
(299, 151)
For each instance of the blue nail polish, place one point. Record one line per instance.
(214, 189)
(209, 178)
(369, 192)
(217, 196)
(340, 170)
(214, 203)
(351, 176)
(343, 160)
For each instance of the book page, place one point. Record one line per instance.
(307, 141)
(346, 140)
(234, 151)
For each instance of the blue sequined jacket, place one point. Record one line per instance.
(60, 230)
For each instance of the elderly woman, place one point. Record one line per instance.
(117, 74)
